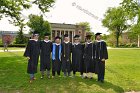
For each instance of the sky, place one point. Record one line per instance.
(71, 12)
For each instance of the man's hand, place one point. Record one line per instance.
(28, 58)
(103, 60)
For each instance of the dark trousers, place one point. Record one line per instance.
(66, 73)
(53, 73)
(101, 70)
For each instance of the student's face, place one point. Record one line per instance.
(98, 37)
(46, 37)
(88, 40)
(36, 36)
(66, 39)
(76, 40)
(57, 41)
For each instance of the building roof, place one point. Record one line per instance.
(62, 25)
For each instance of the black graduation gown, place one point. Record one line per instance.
(32, 51)
(100, 53)
(66, 56)
(56, 64)
(89, 61)
(46, 48)
(77, 57)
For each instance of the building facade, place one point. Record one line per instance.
(70, 29)
(58, 29)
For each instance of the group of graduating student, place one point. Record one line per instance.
(85, 58)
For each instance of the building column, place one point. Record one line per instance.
(55, 32)
(72, 36)
(68, 33)
(51, 35)
(64, 32)
(60, 33)
(74, 33)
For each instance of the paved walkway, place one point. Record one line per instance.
(13, 50)
(132, 92)
(121, 48)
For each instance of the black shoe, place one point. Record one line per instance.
(102, 81)
(91, 78)
(85, 77)
(99, 80)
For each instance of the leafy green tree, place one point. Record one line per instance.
(115, 21)
(131, 9)
(105, 37)
(37, 23)
(44, 5)
(20, 38)
(111, 40)
(14, 8)
(86, 24)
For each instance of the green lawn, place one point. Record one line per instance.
(122, 74)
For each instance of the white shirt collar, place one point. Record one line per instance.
(57, 44)
(66, 42)
(76, 43)
(99, 40)
(88, 42)
(46, 41)
(34, 39)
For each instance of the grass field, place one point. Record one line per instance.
(122, 74)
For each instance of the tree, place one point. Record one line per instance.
(14, 8)
(105, 37)
(20, 38)
(132, 36)
(37, 23)
(111, 40)
(115, 21)
(44, 5)
(131, 9)
(86, 24)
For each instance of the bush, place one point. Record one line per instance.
(133, 45)
(128, 45)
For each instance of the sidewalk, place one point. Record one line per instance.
(19, 50)
(121, 48)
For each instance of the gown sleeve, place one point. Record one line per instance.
(27, 50)
(105, 52)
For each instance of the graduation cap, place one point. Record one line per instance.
(88, 36)
(66, 35)
(76, 36)
(98, 34)
(35, 33)
(57, 37)
(46, 34)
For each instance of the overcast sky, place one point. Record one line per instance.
(72, 12)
